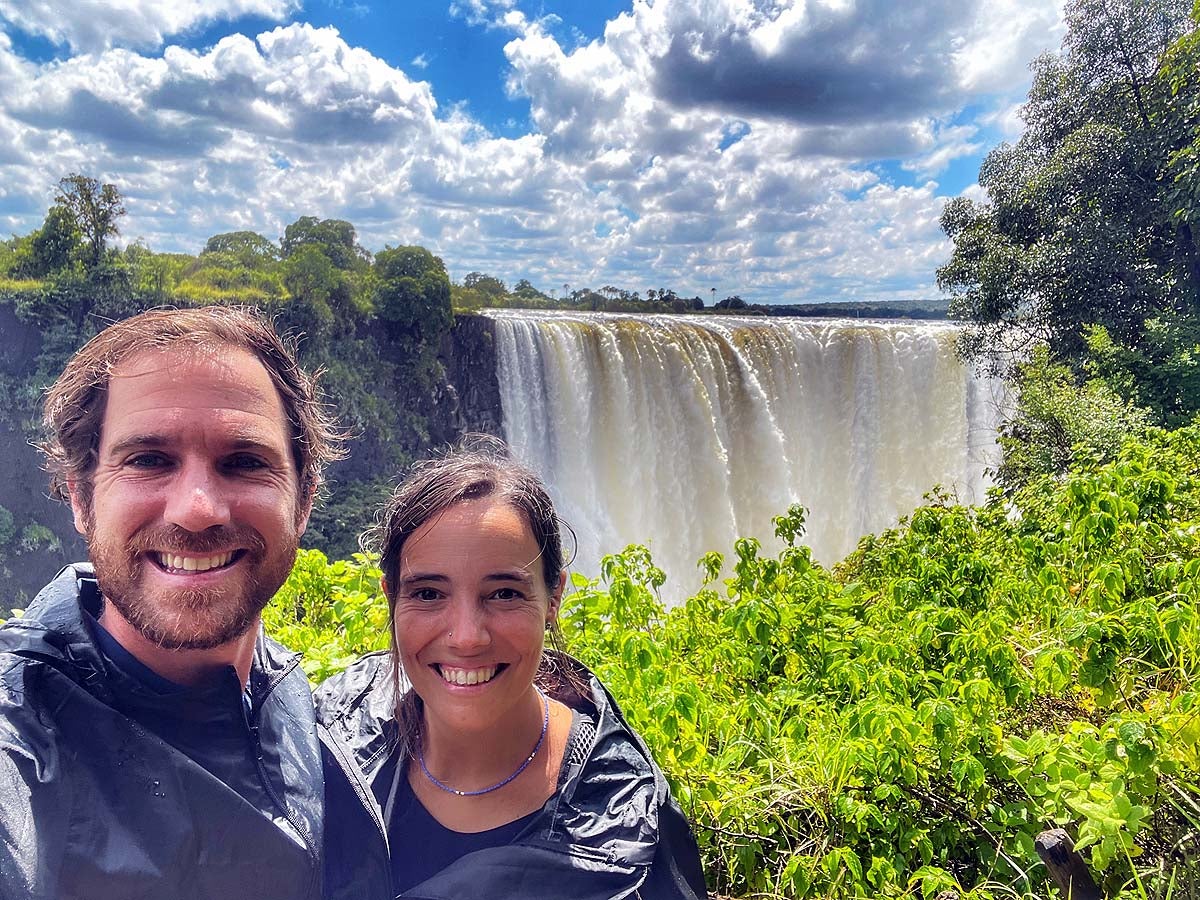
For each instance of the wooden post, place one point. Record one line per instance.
(1066, 866)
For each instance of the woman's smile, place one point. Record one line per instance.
(467, 676)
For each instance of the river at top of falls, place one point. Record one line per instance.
(686, 432)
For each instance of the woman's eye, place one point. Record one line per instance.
(507, 594)
(425, 595)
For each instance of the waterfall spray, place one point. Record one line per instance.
(685, 433)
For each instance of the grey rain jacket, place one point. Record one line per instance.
(94, 806)
(610, 831)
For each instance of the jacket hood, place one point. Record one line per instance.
(604, 818)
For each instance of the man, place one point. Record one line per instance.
(153, 744)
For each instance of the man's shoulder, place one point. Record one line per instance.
(51, 625)
(364, 686)
(57, 606)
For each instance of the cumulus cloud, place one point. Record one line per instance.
(817, 63)
(951, 143)
(723, 143)
(89, 26)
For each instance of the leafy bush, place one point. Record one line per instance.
(1058, 421)
(909, 722)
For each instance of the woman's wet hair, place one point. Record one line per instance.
(480, 467)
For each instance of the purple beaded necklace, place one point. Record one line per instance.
(521, 768)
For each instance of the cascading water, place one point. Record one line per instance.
(685, 433)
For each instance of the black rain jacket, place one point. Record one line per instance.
(93, 806)
(610, 831)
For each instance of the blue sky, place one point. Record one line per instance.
(783, 150)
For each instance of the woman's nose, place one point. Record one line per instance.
(468, 631)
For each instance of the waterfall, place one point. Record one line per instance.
(686, 432)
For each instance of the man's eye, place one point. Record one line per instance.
(146, 461)
(246, 462)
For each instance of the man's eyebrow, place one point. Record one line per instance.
(156, 441)
(138, 442)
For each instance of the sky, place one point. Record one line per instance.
(780, 150)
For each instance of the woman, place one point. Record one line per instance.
(501, 769)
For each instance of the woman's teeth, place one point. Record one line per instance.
(176, 563)
(467, 676)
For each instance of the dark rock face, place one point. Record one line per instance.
(29, 561)
(469, 355)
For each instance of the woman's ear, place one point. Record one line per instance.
(383, 585)
(556, 599)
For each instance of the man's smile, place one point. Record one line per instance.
(175, 562)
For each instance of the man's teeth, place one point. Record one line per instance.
(467, 676)
(194, 563)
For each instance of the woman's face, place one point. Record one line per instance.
(471, 610)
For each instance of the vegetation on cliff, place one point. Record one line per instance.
(1087, 242)
(373, 323)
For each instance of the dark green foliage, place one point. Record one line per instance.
(412, 293)
(249, 247)
(1080, 226)
(373, 328)
(1057, 422)
(336, 238)
(95, 208)
(53, 247)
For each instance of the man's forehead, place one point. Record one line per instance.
(173, 383)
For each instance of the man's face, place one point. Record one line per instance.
(195, 512)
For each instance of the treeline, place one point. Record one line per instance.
(374, 323)
(482, 291)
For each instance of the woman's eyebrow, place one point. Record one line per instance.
(414, 577)
(513, 575)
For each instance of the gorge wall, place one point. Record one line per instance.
(688, 432)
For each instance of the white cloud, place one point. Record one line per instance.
(489, 13)
(633, 174)
(995, 53)
(89, 26)
(951, 143)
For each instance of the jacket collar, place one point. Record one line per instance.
(358, 708)
(53, 630)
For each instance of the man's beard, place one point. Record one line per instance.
(191, 619)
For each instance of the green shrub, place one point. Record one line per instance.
(910, 721)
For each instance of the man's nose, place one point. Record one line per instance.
(197, 499)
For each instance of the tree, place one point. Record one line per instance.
(312, 280)
(95, 208)
(1078, 228)
(50, 249)
(250, 248)
(526, 291)
(485, 284)
(412, 293)
(335, 238)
